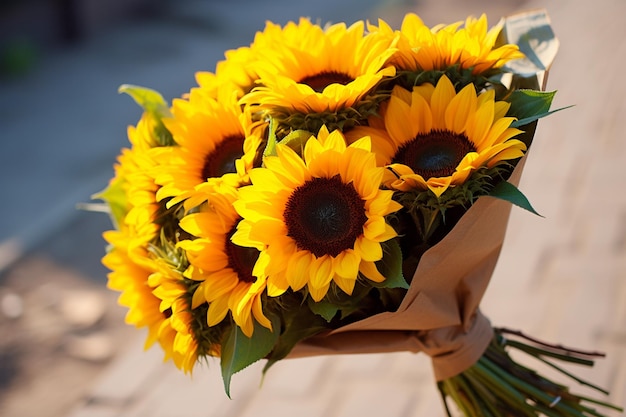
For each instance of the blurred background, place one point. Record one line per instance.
(64, 350)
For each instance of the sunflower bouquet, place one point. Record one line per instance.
(340, 189)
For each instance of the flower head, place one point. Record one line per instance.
(470, 46)
(154, 297)
(439, 137)
(436, 138)
(223, 269)
(217, 143)
(320, 217)
(306, 69)
(232, 74)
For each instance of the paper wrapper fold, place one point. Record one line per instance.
(439, 314)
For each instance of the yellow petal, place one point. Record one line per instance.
(277, 284)
(346, 284)
(479, 123)
(321, 272)
(441, 97)
(420, 115)
(459, 109)
(346, 264)
(439, 185)
(368, 249)
(371, 272)
(298, 269)
(396, 118)
(217, 311)
(318, 293)
(257, 311)
(219, 283)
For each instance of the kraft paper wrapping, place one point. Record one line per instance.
(440, 313)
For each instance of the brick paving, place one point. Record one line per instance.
(560, 278)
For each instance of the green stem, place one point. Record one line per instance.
(572, 376)
(602, 403)
(503, 330)
(501, 388)
(443, 393)
(487, 399)
(535, 351)
(460, 402)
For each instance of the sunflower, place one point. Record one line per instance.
(320, 217)
(471, 46)
(217, 142)
(224, 270)
(134, 256)
(435, 138)
(131, 188)
(234, 73)
(132, 192)
(305, 69)
(173, 292)
(160, 307)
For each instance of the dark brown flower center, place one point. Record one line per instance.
(325, 216)
(240, 258)
(222, 159)
(322, 80)
(434, 154)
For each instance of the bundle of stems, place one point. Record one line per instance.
(499, 386)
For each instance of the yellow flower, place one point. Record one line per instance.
(217, 142)
(154, 293)
(471, 46)
(320, 217)
(160, 307)
(435, 138)
(234, 72)
(224, 270)
(307, 69)
(133, 173)
(176, 332)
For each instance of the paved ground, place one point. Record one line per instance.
(560, 278)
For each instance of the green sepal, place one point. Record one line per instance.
(296, 140)
(508, 192)
(155, 105)
(272, 140)
(240, 351)
(390, 266)
(530, 105)
(114, 196)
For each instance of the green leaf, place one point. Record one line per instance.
(240, 351)
(150, 100)
(300, 323)
(324, 309)
(530, 105)
(337, 301)
(155, 105)
(508, 192)
(115, 198)
(391, 266)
